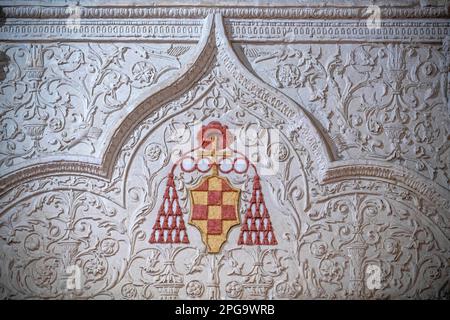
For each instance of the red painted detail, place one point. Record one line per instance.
(215, 198)
(257, 227)
(225, 186)
(228, 212)
(214, 226)
(214, 126)
(199, 212)
(169, 226)
(203, 187)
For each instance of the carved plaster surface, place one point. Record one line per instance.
(376, 101)
(59, 98)
(90, 125)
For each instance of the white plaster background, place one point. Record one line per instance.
(89, 117)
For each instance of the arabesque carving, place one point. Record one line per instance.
(90, 130)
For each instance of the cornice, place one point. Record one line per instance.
(352, 169)
(244, 11)
(167, 21)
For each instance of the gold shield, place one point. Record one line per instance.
(214, 210)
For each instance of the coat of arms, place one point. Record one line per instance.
(214, 202)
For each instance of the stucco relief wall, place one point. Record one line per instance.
(96, 101)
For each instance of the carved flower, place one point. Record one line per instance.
(109, 247)
(55, 124)
(194, 289)
(319, 248)
(371, 235)
(374, 126)
(129, 291)
(331, 270)
(283, 152)
(153, 151)
(433, 273)
(44, 273)
(285, 290)
(280, 150)
(429, 69)
(424, 132)
(391, 246)
(95, 267)
(144, 73)
(233, 289)
(32, 242)
(288, 75)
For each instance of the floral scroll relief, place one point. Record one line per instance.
(58, 97)
(378, 101)
(329, 234)
(110, 246)
(387, 234)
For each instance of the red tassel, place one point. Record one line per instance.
(167, 194)
(165, 225)
(173, 224)
(170, 209)
(266, 238)
(257, 214)
(161, 237)
(249, 239)
(181, 224)
(177, 236)
(185, 238)
(152, 238)
(256, 184)
(157, 225)
(257, 242)
(261, 214)
(241, 238)
(169, 236)
(244, 227)
(261, 225)
(273, 241)
(170, 181)
(249, 214)
(170, 200)
(253, 226)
